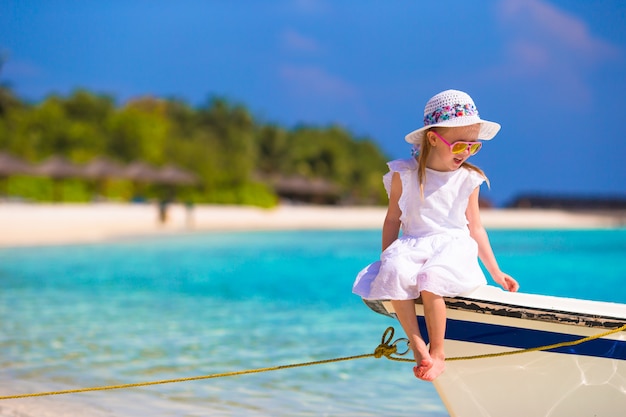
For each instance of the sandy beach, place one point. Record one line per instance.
(45, 224)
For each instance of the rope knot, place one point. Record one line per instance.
(385, 348)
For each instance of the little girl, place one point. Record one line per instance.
(433, 200)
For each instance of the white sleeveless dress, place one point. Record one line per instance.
(435, 251)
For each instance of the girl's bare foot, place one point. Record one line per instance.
(422, 368)
(438, 365)
(422, 358)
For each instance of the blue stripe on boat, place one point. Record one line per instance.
(516, 337)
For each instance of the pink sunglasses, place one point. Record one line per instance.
(460, 147)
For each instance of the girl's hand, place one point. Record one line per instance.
(506, 281)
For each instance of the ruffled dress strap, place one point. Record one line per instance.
(475, 179)
(401, 166)
(407, 169)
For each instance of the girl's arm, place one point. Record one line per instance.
(485, 253)
(391, 226)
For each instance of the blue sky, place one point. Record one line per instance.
(553, 73)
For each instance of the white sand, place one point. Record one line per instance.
(44, 224)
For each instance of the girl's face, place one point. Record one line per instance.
(441, 157)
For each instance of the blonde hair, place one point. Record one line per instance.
(422, 157)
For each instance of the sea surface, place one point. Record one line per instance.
(163, 308)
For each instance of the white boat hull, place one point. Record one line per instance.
(585, 379)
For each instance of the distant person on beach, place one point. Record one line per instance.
(433, 200)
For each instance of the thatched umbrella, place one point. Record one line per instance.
(11, 165)
(173, 175)
(57, 168)
(316, 190)
(141, 172)
(100, 170)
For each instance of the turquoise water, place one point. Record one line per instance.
(144, 310)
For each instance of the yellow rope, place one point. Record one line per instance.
(192, 378)
(385, 348)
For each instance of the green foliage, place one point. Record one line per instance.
(235, 157)
(256, 194)
(46, 189)
(29, 188)
(114, 189)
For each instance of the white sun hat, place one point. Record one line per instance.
(452, 108)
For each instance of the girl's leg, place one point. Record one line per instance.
(435, 316)
(405, 311)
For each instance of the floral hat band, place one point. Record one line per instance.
(448, 112)
(452, 108)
